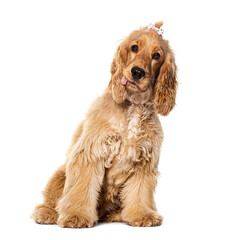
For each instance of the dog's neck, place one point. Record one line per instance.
(139, 98)
(132, 103)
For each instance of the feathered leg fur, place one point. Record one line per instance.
(77, 206)
(45, 213)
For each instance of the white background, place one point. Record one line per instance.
(55, 58)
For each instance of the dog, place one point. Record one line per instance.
(112, 164)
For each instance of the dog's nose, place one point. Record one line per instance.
(137, 73)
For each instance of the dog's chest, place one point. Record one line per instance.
(133, 126)
(130, 126)
(131, 150)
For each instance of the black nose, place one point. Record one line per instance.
(137, 73)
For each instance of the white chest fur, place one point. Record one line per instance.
(133, 127)
(130, 125)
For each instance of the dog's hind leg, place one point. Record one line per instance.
(45, 213)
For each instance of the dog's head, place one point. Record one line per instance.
(144, 68)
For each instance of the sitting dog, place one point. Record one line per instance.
(112, 164)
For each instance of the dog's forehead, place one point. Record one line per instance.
(145, 36)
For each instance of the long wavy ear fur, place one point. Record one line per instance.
(166, 85)
(118, 63)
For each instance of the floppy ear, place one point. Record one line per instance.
(166, 85)
(115, 85)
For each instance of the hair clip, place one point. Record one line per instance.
(153, 28)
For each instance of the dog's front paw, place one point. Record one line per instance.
(75, 221)
(147, 220)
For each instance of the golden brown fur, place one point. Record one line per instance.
(112, 165)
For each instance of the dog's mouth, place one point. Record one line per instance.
(126, 82)
(133, 83)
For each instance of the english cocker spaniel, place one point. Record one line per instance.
(112, 164)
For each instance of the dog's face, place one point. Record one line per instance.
(144, 67)
(144, 58)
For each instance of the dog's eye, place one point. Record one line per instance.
(134, 48)
(156, 56)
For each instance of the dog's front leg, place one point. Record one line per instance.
(138, 202)
(77, 206)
